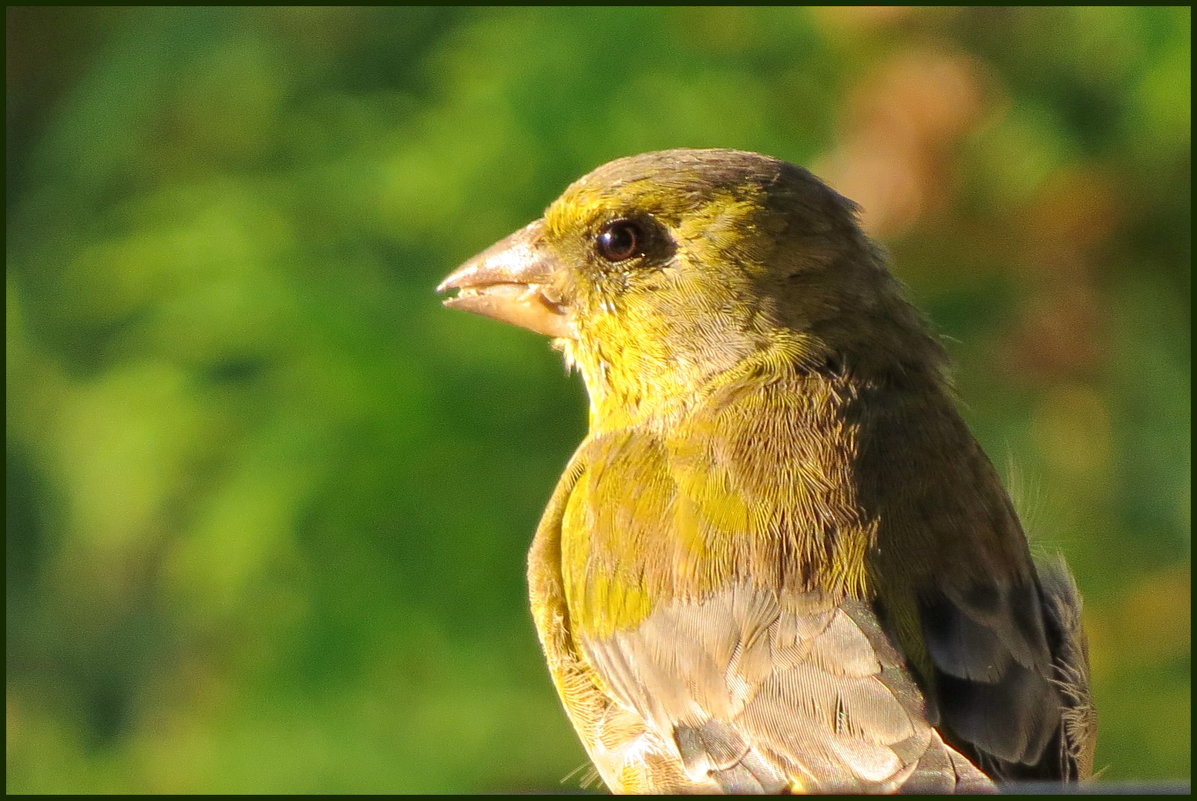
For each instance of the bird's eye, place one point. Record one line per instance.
(619, 240)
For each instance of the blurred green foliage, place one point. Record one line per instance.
(268, 502)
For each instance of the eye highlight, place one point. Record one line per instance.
(619, 240)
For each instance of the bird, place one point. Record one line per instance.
(779, 561)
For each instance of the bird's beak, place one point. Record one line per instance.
(514, 280)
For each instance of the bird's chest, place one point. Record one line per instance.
(651, 520)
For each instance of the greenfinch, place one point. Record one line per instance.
(779, 561)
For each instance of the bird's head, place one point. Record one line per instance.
(657, 273)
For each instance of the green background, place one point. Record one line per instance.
(268, 502)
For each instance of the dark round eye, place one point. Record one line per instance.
(619, 240)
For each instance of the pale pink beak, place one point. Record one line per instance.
(513, 281)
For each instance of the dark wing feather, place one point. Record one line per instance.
(993, 679)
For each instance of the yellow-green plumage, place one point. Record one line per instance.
(779, 560)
